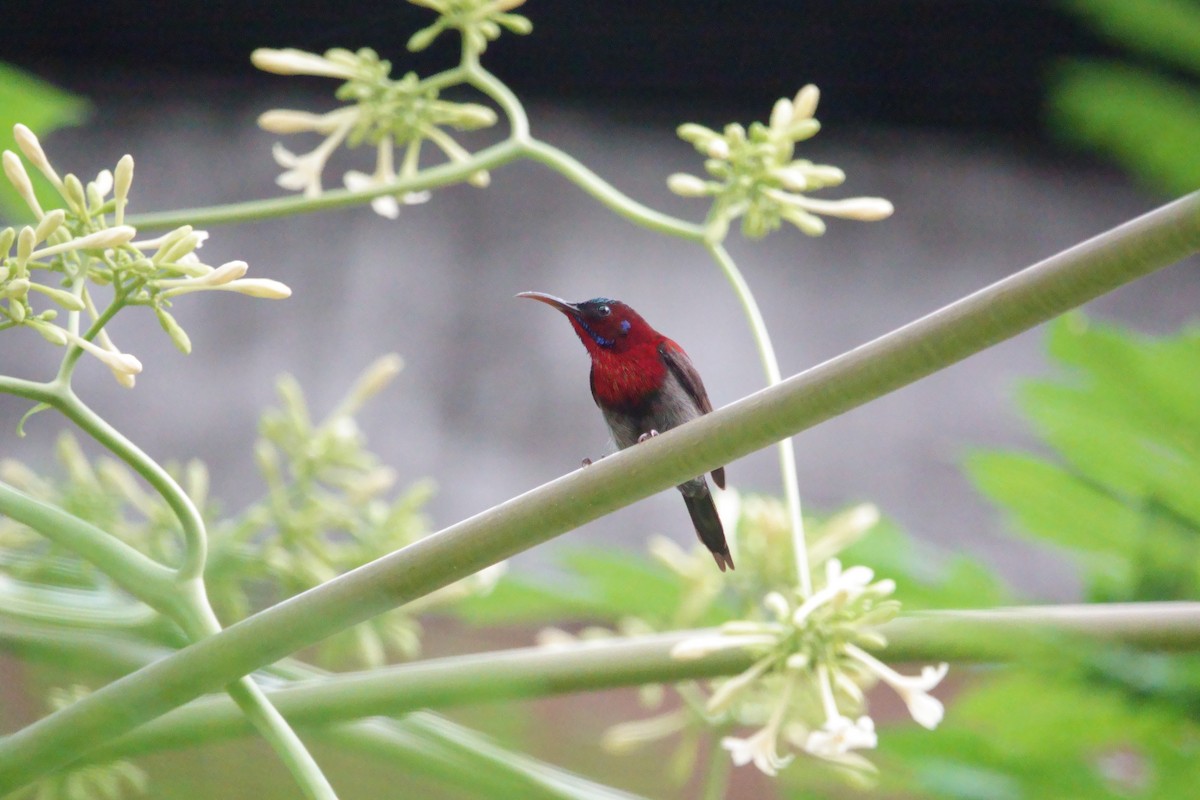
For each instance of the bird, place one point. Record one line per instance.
(645, 384)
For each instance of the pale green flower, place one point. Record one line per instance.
(755, 176)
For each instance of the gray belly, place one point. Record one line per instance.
(671, 406)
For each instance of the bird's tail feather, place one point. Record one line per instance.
(708, 525)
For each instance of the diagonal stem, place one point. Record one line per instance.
(872, 370)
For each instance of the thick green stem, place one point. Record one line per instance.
(418, 743)
(874, 369)
(1005, 634)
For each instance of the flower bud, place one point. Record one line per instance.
(47, 226)
(781, 114)
(686, 185)
(290, 61)
(64, 298)
(32, 148)
(102, 185)
(805, 103)
(226, 273)
(259, 287)
(174, 330)
(51, 333)
(19, 178)
(17, 288)
(123, 179)
(72, 192)
(469, 116)
(285, 121)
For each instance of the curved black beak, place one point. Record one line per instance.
(551, 300)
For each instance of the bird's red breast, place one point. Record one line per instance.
(625, 380)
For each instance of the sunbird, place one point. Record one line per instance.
(644, 384)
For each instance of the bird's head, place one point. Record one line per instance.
(603, 325)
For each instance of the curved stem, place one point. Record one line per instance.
(787, 454)
(195, 539)
(602, 190)
(494, 88)
(255, 210)
(872, 370)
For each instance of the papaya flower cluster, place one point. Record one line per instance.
(85, 243)
(479, 22)
(395, 117)
(330, 506)
(805, 691)
(754, 174)
(806, 688)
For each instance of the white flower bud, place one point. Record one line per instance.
(103, 183)
(686, 185)
(49, 224)
(19, 178)
(25, 242)
(100, 240)
(123, 178)
(291, 61)
(793, 177)
(63, 298)
(781, 114)
(377, 376)
(32, 148)
(226, 273)
(286, 121)
(717, 148)
(17, 288)
(259, 287)
(805, 103)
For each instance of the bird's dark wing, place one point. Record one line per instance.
(682, 368)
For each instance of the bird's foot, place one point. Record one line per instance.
(649, 434)
(587, 462)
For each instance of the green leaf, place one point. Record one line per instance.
(1169, 29)
(1052, 504)
(43, 108)
(1148, 124)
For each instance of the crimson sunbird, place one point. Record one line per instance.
(645, 384)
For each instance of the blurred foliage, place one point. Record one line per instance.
(329, 506)
(1120, 495)
(44, 108)
(1145, 116)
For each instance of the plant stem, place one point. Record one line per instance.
(787, 453)
(141, 576)
(872, 370)
(178, 594)
(194, 536)
(255, 210)
(602, 190)
(1005, 634)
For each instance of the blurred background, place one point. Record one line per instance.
(946, 107)
(972, 117)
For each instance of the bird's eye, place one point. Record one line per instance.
(603, 311)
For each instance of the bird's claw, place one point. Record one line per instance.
(587, 462)
(647, 435)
